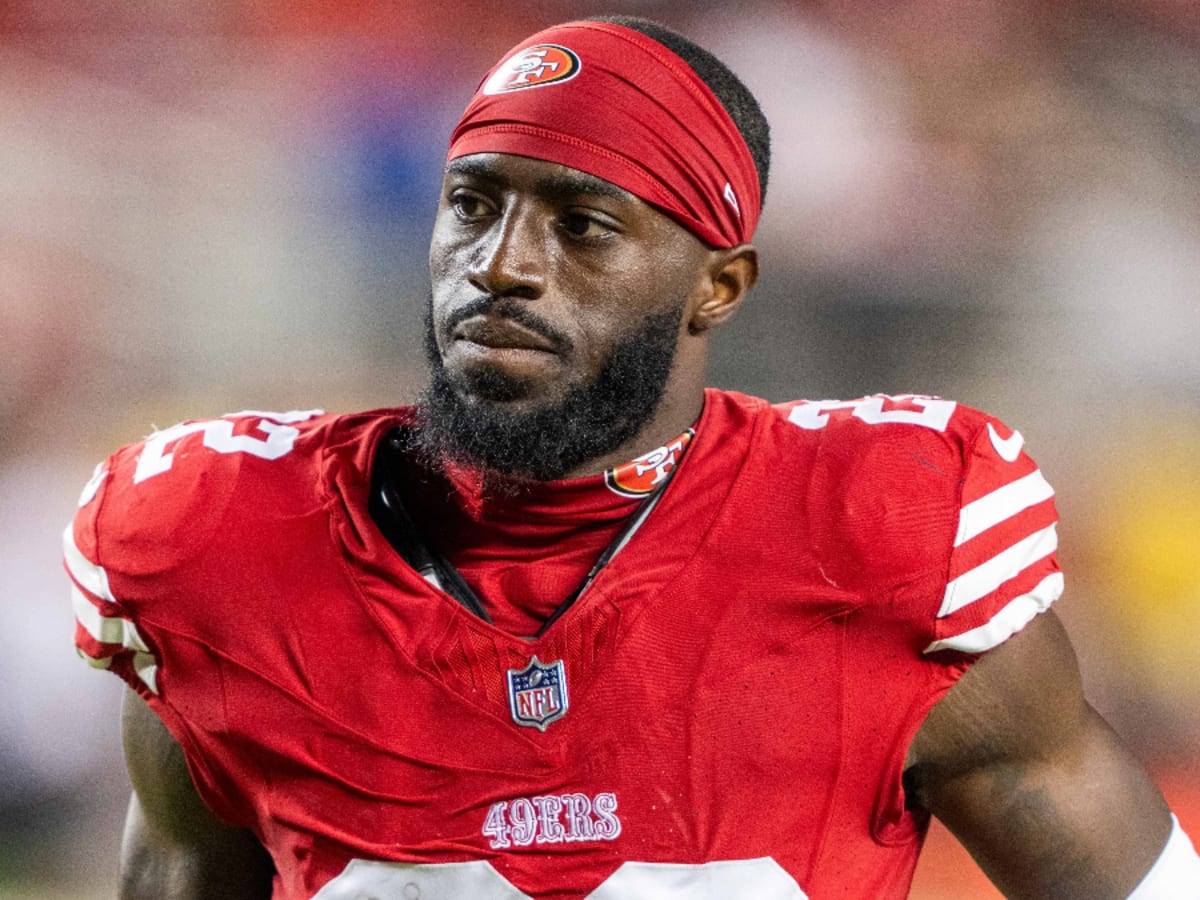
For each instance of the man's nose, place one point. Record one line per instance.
(510, 260)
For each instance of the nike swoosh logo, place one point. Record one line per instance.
(1009, 448)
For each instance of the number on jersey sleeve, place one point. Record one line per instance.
(219, 435)
(878, 409)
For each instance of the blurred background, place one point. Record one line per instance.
(218, 205)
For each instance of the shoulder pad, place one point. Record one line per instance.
(930, 497)
(160, 499)
(154, 507)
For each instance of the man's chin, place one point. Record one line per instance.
(541, 428)
(493, 423)
(500, 391)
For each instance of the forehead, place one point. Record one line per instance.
(512, 172)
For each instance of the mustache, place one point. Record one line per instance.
(507, 308)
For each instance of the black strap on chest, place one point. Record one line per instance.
(391, 515)
(388, 510)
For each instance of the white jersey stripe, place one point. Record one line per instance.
(133, 640)
(987, 577)
(89, 576)
(105, 629)
(102, 662)
(1011, 619)
(147, 668)
(1003, 503)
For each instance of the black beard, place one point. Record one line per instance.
(544, 443)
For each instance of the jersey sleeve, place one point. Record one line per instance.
(1002, 567)
(139, 549)
(168, 534)
(934, 514)
(106, 636)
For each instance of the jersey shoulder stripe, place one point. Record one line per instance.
(920, 483)
(1000, 505)
(1011, 618)
(1002, 569)
(104, 636)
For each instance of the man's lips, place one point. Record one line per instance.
(501, 334)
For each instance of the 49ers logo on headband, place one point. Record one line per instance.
(536, 66)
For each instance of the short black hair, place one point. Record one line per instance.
(737, 99)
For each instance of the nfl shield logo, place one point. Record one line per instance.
(537, 694)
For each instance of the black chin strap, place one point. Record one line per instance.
(390, 514)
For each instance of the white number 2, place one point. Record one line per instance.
(737, 879)
(218, 435)
(932, 412)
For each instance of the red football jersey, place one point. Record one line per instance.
(725, 712)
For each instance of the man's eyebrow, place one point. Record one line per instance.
(475, 168)
(574, 184)
(564, 184)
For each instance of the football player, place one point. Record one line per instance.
(575, 626)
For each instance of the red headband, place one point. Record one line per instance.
(614, 103)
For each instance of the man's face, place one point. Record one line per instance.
(558, 303)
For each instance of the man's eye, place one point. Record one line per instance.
(580, 225)
(469, 206)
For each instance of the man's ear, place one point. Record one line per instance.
(732, 273)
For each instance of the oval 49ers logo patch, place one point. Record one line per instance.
(646, 473)
(536, 66)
